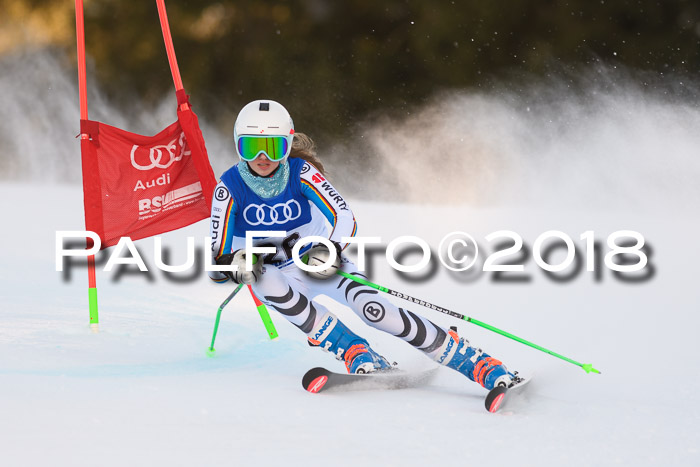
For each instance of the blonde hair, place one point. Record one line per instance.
(304, 147)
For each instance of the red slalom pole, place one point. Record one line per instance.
(170, 49)
(84, 137)
(264, 315)
(82, 87)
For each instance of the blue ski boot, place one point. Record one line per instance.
(456, 353)
(333, 336)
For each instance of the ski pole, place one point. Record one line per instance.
(210, 350)
(264, 315)
(587, 367)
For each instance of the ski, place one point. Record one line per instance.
(320, 379)
(498, 397)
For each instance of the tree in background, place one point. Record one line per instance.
(336, 62)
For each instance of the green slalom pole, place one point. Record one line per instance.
(210, 350)
(92, 295)
(587, 367)
(265, 316)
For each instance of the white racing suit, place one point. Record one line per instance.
(302, 210)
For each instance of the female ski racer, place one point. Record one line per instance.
(279, 185)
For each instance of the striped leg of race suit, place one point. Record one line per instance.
(287, 292)
(290, 291)
(378, 312)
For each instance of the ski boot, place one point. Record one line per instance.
(333, 336)
(456, 353)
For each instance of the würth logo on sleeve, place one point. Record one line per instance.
(317, 178)
(335, 196)
(161, 156)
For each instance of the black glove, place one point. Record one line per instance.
(318, 255)
(241, 276)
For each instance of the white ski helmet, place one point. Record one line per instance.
(263, 126)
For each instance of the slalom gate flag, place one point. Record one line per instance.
(138, 186)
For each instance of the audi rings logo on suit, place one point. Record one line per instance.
(280, 213)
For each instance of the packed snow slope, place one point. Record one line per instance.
(143, 392)
(612, 152)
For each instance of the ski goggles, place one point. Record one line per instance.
(276, 148)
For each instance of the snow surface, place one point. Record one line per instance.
(616, 155)
(143, 392)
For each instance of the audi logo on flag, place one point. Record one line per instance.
(161, 156)
(280, 213)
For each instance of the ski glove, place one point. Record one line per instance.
(241, 276)
(318, 255)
